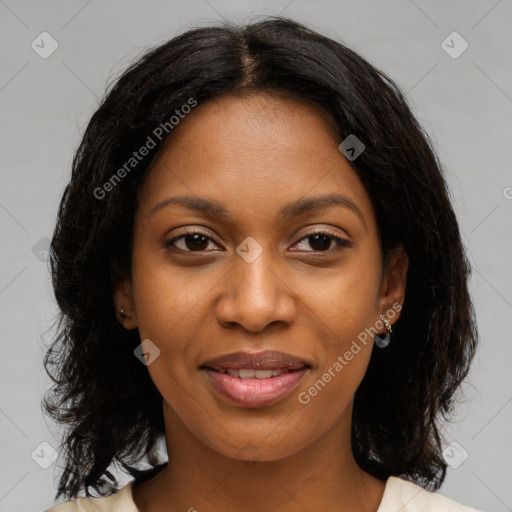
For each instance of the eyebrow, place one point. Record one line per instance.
(213, 208)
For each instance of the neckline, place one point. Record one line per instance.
(387, 502)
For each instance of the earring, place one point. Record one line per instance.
(384, 342)
(123, 315)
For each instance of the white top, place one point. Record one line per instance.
(399, 495)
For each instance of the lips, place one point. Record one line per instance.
(254, 379)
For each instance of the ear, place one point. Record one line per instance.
(123, 300)
(392, 290)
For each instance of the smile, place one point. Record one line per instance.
(251, 387)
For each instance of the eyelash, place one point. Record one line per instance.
(342, 243)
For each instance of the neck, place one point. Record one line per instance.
(321, 476)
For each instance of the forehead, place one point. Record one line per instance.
(253, 121)
(253, 152)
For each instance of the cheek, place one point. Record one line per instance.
(346, 296)
(167, 297)
(347, 343)
(346, 311)
(167, 314)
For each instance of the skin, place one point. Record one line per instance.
(254, 155)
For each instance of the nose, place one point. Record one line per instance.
(256, 295)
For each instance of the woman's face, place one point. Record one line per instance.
(256, 278)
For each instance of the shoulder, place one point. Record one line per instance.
(401, 494)
(120, 501)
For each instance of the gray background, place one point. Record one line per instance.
(464, 103)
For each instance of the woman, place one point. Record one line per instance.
(258, 262)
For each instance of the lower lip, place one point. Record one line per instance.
(254, 392)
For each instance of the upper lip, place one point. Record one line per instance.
(266, 360)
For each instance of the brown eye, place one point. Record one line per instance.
(192, 241)
(322, 242)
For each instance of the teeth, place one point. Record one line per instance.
(263, 374)
(249, 373)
